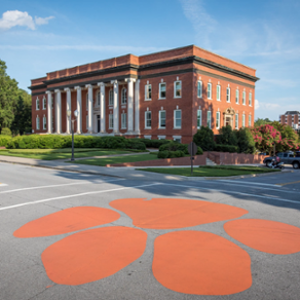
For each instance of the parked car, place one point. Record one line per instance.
(288, 158)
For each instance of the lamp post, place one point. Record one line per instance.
(69, 114)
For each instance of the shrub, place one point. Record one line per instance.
(245, 141)
(180, 149)
(152, 143)
(170, 154)
(6, 131)
(204, 138)
(227, 136)
(226, 148)
(163, 154)
(4, 139)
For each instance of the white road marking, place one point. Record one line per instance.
(74, 195)
(233, 192)
(249, 182)
(3, 184)
(57, 185)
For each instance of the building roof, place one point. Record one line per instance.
(292, 112)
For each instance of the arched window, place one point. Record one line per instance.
(37, 104)
(124, 96)
(38, 123)
(44, 103)
(110, 97)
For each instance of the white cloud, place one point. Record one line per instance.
(256, 104)
(42, 21)
(12, 18)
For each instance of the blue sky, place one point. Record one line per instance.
(37, 37)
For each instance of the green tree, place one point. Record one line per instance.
(204, 138)
(245, 140)
(259, 122)
(8, 97)
(227, 136)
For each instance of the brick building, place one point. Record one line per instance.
(169, 94)
(291, 118)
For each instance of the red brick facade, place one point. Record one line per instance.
(188, 65)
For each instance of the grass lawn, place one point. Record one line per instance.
(116, 159)
(211, 171)
(50, 154)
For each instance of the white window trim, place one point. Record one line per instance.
(209, 111)
(37, 123)
(177, 137)
(147, 127)
(199, 110)
(110, 121)
(218, 118)
(98, 97)
(159, 119)
(124, 90)
(146, 92)
(110, 97)
(236, 121)
(210, 96)
(244, 120)
(44, 103)
(159, 91)
(37, 104)
(149, 137)
(244, 98)
(228, 89)
(161, 137)
(199, 95)
(174, 118)
(175, 89)
(249, 120)
(219, 86)
(123, 121)
(237, 96)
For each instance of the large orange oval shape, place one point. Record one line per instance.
(67, 220)
(200, 263)
(93, 254)
(266, 236)
(166, 213)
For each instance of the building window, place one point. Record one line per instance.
(228, 94)
(249, 120)
(209, 119)
(38, 123)
(177, 119)
(37, 104)
(244, 98)
(148, 137)
(162, 119)
(123, 121)
(124, 96)
(148, 120)
(218, 92)
(148, 92)
(111, 121)
(177, 138)
(236, 121)
(44, 122)
(177, 89)
(87, 101)
(199, 89)
(250, 99)
(87, 121)
(199, 118)
(162, 90)
(110, 97)
(209, 90)
(161, 137)
(244, 120)
(44, 103)
(237, 100)
(98, 99)
(218, 120)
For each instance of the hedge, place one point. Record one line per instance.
(4, 139)
(59, 141)
(152, 143)
(226, 148)
(173, 146)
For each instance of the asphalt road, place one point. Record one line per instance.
(29, 193)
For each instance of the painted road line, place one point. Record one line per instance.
(249, 182)
(75, 195)
(237, 193)
(283, 184)
(3, 184)
(57, 185)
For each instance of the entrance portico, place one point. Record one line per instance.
(228, 116)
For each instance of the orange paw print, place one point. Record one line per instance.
(185, 261)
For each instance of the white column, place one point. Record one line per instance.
(116, 106)
(90, 107)
(130, 82)
(68, 120)
(49, 112)
(137, 107)
(79, 122)
(102, 107)
(58, 110)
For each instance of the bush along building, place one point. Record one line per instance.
(164, 95)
